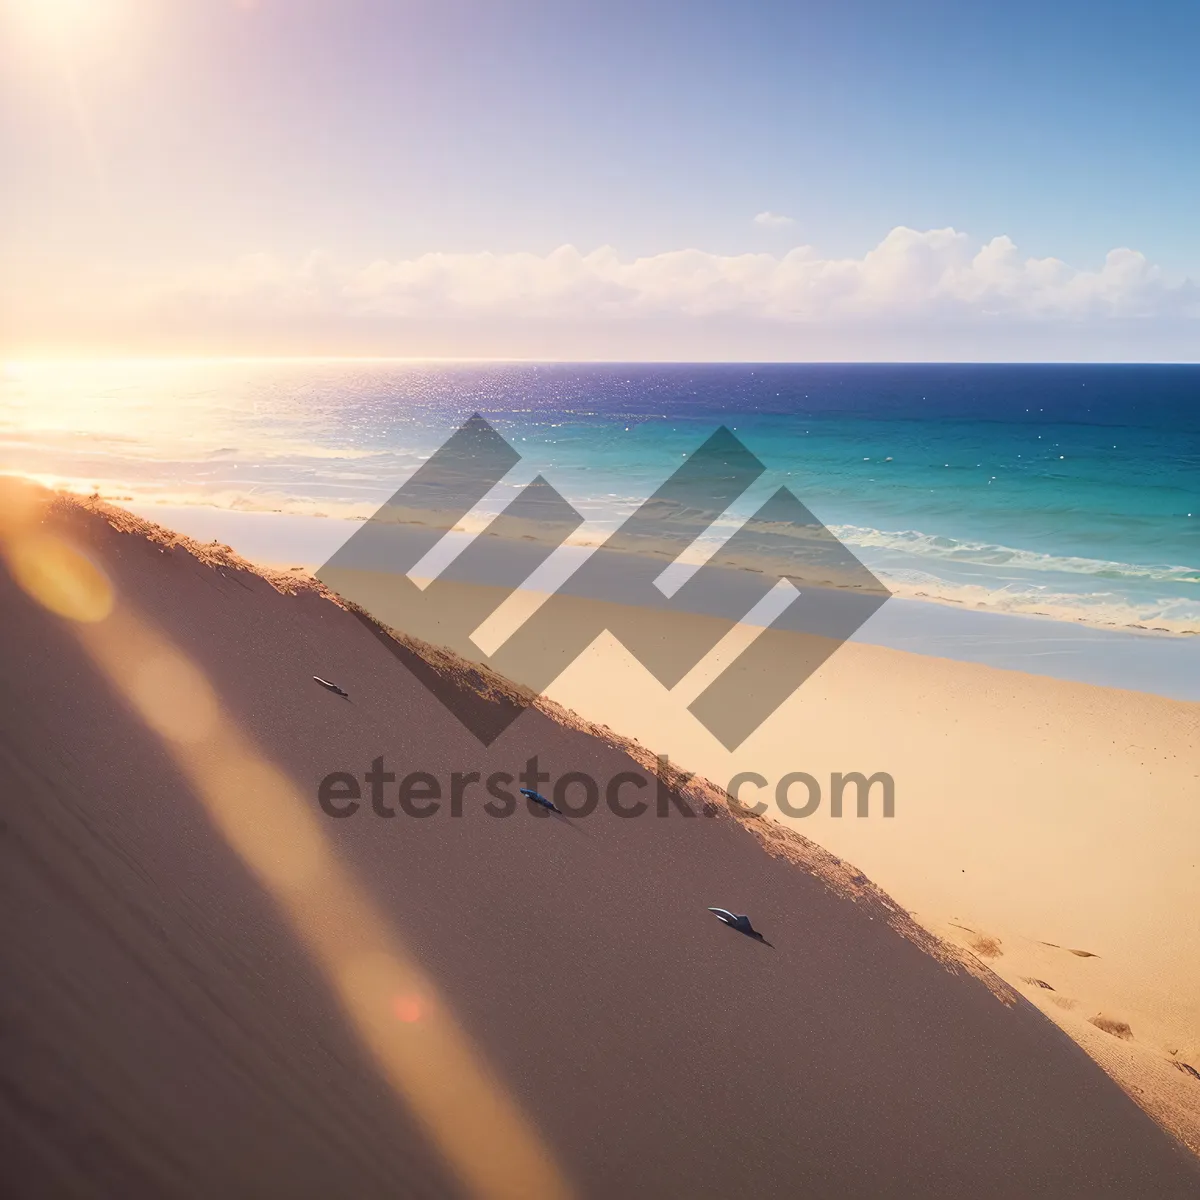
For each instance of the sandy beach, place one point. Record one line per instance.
(222, 988)
(1049, 827)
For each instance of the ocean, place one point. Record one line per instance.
(1066, 491)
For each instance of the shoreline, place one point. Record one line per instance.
(994, 597)
(1148, 661)
(1018, 591)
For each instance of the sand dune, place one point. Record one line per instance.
(216, 989)
(1049, 828)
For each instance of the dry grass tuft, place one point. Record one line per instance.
(985, 946)
(1111, 1025)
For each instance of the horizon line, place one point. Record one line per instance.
(284, 359)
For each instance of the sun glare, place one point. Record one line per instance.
(71, 26)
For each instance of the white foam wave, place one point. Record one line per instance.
(925, 545)
(1099, 610)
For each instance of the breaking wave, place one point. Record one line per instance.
(985, 554)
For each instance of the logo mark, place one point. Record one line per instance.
(615, 588)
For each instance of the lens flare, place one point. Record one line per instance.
(60, 577)
(391, 1002)
(174, 698)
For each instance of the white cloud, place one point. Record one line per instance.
(770, 220)
(931, 294)
(909, 275)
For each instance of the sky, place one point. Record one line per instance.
(568, 179)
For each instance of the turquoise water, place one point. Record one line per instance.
(1066, 491)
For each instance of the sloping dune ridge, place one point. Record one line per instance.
(214, 988)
